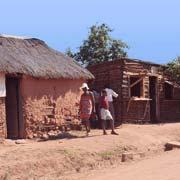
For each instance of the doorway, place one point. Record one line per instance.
(153, 97)
(12, 108)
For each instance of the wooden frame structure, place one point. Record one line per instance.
(151, 105)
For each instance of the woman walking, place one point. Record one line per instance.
(87, 106)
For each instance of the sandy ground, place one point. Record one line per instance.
(75, 156)
(161, 167)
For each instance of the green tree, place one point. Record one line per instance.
(69, 53)
(172, 68)
(99, 47)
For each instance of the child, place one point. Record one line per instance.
(87, 106)
(105, 113)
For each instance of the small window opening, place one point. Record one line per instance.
(136, 86)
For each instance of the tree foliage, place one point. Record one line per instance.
(173, 70)
(69, 53)
(99, 47)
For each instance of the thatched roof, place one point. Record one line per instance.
(33, 57)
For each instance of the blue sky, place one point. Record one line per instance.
(150, 27)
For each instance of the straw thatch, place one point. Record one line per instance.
(33, 57)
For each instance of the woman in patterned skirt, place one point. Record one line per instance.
(87, 106)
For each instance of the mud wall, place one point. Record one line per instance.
(48, 103)
(2, 118)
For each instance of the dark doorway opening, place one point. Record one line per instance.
(153, 97)
(12, 108)
(168, 90)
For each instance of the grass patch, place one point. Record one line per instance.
(107, 155)
(114, 153)
(70, 154)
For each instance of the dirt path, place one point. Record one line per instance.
(162, 167)
(70, 158)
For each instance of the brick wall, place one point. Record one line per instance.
(136, 111)
(170, 111)
(117, 74)
(111, 74)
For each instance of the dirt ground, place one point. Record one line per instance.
(161, 167)
(74, 156)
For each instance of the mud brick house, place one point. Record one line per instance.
(38, 86)
(145, 93)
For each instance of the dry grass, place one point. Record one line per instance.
(33, 57)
